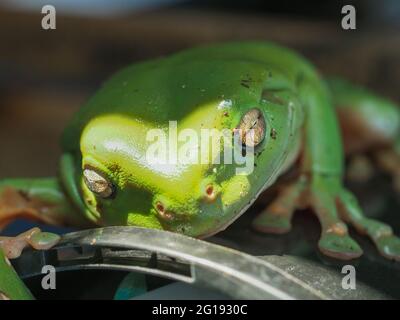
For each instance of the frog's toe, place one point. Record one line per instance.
(277, 217)
(339, 246)
(13, 246)
(380, 233)
(43, 240)
(389, 247)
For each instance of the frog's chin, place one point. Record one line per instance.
(222, 227)
(235, 216)
(225, 225)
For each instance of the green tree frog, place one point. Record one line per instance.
(296, 117)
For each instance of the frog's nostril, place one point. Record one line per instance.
(211, 194)
(160, 207)
(162, 212)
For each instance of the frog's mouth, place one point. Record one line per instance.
(237, 215)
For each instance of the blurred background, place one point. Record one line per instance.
(45, 75)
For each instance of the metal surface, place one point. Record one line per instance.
(203, 264)
(169, 255)
(324, 279)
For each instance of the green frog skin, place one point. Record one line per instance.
(298, 118)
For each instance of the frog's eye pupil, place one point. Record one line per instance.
(252, 120)
(97, 183)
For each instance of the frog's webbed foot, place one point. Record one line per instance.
(13, 246)
(389, 161)
(335, 241)
(331, 202)
(380, 233)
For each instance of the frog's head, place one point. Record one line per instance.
(130, 168)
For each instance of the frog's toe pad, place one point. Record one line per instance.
(389, 247)
(43, 240)
(339, 246)
(13, 246)
(270, 223)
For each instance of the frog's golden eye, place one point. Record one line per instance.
(97, 183)
(252, 121)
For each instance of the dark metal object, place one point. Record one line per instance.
(169, 255)
(324, 279)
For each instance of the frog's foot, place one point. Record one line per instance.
(389, 161)
(276, 218)
(13, 246)
(321, 196)
(334, 241)
(380, 233)
(15, 203)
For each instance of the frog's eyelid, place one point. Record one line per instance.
(253, 119)
(97, 183)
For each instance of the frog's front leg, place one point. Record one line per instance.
(331, 202)
(372, 122)
(334, 241)
(38, 199)
(11, 287)
(349, 211)
(42, 199)
(323, 190)
(35, 199)
(319, 193)
(380, 233)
